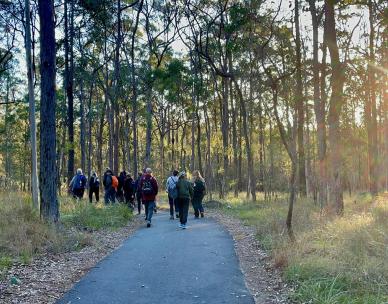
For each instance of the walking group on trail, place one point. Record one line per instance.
(144, 190)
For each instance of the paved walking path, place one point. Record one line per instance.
(166, 265)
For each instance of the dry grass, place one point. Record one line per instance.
(23, 234)
(334, 260)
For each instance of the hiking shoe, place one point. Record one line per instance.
(171, 217)
(180, 225)
(184, 226)
(202, 214)
(148, 224)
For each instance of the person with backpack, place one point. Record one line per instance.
(185, 195)
(149, 190)
(138, 192)
(129, 191)
(108, 182)
(94, 187)
(198, 193)
(77, 184)
(173, 194)
(120, 191)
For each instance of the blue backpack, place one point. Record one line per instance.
(79, 182)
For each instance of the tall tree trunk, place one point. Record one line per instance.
(49, 207)
(134, 90)
(31, 103)
(69, 81)
(82, 126)
(115, 102)
(319, 108)
(251, 172)
(336, 102)
(371, 116)
(300, 105)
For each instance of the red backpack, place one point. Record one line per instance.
(115, 182)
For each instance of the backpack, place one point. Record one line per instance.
(147, 188)
(115, 182)
(79, 182)
(172, 190)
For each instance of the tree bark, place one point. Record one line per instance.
(69, 81)
(300, 105)
(336, 102)
(31, 103)
(319, 108)
(49, 207)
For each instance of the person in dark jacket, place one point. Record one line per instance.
(94, 187)
(129, 191)
(138, 192)
(185, 195)
(198, 193)
(120, 191)
(78, 184)
(110, 192)
(149, 190)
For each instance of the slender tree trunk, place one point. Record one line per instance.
(371, 119)
(319, 108)
(49, 207)
(82, 126)
(336, 102)
(134, 90)
(31, 103)
(300, 105)
(115, 101)
(251, 172)
(69, 81)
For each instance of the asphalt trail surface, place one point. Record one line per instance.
(165, 264)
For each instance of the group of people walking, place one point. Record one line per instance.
(181, 192)
(144, 190)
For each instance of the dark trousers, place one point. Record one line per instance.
(198, 207)
(96, 192)
(138, 198)
(110, 196)
(173, 204)
(78, 193)
(183, 204)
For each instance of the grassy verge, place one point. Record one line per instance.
(23, 234)
(334, 260)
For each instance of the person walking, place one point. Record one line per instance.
(129, 191)
(94, 187)
(173, 194)
(77, 184)
(185, 194)
(120, 191)
(138, 192)
(198, 193)
(110, 191)
(149, 190)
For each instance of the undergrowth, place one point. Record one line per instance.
(334, 259)
(23, 234)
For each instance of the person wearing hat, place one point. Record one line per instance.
(110, 192)
(185, 195)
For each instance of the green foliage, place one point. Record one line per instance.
(86, 216)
